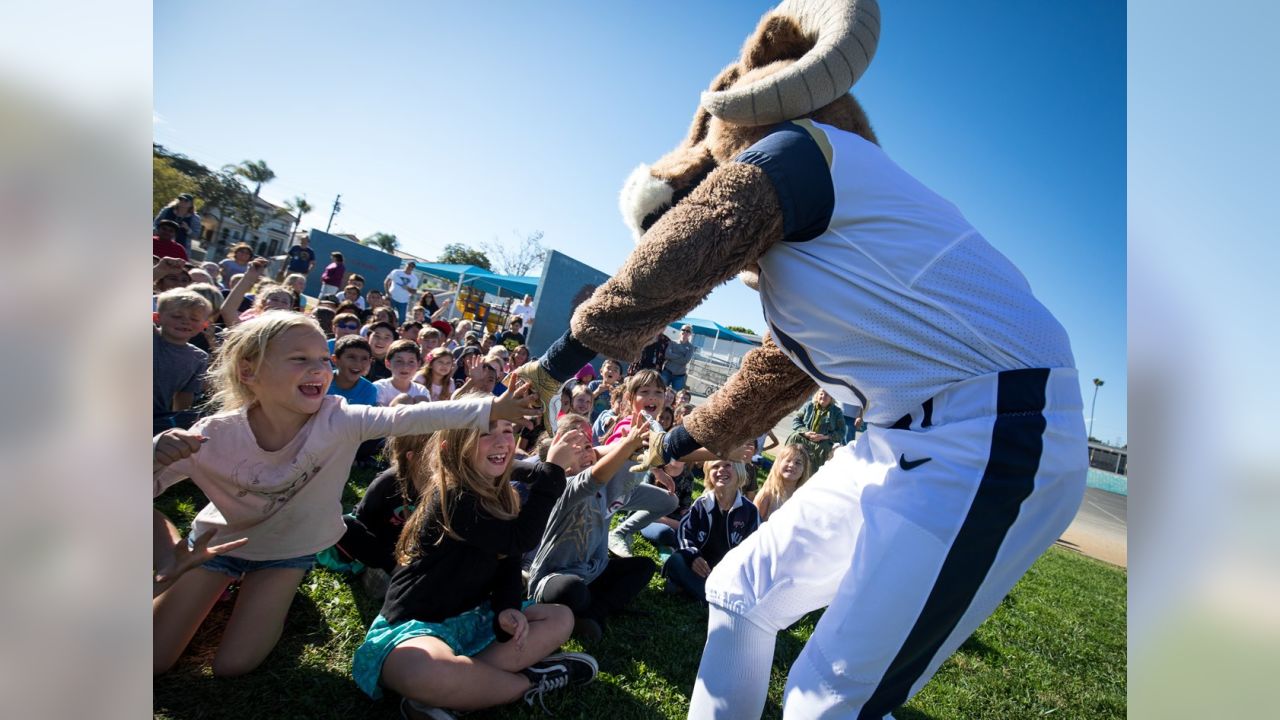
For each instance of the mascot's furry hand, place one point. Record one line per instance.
(543, 384)
(650, 454)
(650, 457)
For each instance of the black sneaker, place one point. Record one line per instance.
(556, 672)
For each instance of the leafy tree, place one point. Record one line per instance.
(256, 172)
(168, 183)
(459, 254)
(386, 242)
(740, 329)
(526, 256)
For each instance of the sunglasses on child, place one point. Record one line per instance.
(348, 326)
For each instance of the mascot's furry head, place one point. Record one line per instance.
(800, 62)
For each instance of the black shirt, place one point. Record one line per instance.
(378, 518)
(456, 575)
(378, 370)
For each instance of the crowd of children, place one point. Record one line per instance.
(487, 533)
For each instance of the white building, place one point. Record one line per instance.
(270, 238)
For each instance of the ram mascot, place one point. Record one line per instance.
(880, 292)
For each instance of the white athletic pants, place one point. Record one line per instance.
(911, 538)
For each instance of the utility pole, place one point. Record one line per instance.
(337, 205)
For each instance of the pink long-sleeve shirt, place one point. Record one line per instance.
(288, 502)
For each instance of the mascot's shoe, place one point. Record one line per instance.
(543, 384)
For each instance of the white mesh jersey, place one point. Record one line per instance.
(881, 290)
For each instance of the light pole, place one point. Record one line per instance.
(1097, 383)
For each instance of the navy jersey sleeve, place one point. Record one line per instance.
(800, 171)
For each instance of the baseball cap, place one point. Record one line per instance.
(472, 335)
(185, 196)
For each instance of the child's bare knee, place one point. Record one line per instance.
(561, 619)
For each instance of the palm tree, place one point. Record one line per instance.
(386, 242)
(1097, 383)
(299, 206)
(256, 172)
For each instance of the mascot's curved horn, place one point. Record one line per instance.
(846, 33)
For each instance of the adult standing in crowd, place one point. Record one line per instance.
(236, 263)
(524, 311)
(302, 259)
(679, 353)
(333, 275)
(183, 212)
(400, 286)
(428, 304)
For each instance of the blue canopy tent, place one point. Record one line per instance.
(713, 329)
(476, 276)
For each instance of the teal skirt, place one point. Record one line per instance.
(466, 634)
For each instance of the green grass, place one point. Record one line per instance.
(1056, 647)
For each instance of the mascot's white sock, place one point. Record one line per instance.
(733, 677)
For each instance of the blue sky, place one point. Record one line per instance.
(444, 123)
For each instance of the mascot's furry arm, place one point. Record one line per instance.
(719, 230)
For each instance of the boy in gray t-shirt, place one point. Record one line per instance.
(177, 366)
(572, 566)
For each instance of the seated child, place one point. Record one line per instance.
(452, 632)
(177, 366)
(643, 397)
(436, 374)
(410, 330)
(610, 379)
(718, 521)
(429, 339)
(572, 566)
(380, 335)
(676, 478)
(604, 422)
(352, 356)
(580, 401)
(404, 357)
(273, 462)
(790, 470)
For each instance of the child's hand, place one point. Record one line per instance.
(166, 266)
(185, 558)
(515, 404)
(664, 480)
(475, 367)
(637, 433)
(171, 446)
(565, 449)
(700, 566)
(514, 622)
(257, 266)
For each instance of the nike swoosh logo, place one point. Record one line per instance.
(906, 464)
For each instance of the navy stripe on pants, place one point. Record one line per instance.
(1017, 441)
